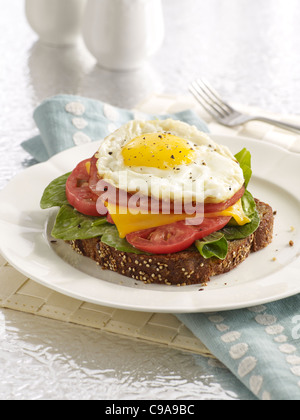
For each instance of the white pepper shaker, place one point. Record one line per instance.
(57, 22)
(122, 34)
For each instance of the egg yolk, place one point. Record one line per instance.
(158, 150)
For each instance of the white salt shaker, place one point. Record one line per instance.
(57, 22)
(122, 34)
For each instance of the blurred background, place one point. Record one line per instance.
(247, 48)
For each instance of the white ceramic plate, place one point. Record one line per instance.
(266, 276)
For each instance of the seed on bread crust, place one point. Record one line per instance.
(182, 268)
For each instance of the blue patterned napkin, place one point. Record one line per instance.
(65, 121)
(261, 345)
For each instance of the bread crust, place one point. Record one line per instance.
(183, 268)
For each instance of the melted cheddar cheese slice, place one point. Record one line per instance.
(127, 222)
(236, 211)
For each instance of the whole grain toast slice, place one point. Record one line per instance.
(182, 268)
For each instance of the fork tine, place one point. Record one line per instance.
(211, 99)
(209, 109)
(206, 102)
(218, 112)
(213, 95)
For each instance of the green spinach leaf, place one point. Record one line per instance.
(244, 159)
(112, 238)
(71, 225)
(55, 194)
(233, 231)
(214, 245)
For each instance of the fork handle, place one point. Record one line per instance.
(292, 127)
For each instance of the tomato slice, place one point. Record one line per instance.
(216, 207)
(78, 192)
(93, 176)
(110, 219)
(175, 237)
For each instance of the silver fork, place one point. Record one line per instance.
(224, 113)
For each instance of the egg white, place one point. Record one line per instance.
(214, 169)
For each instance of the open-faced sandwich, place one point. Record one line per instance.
(161, 202)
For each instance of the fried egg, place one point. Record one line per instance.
(169, 159)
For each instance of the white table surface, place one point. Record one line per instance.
(249, 49)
